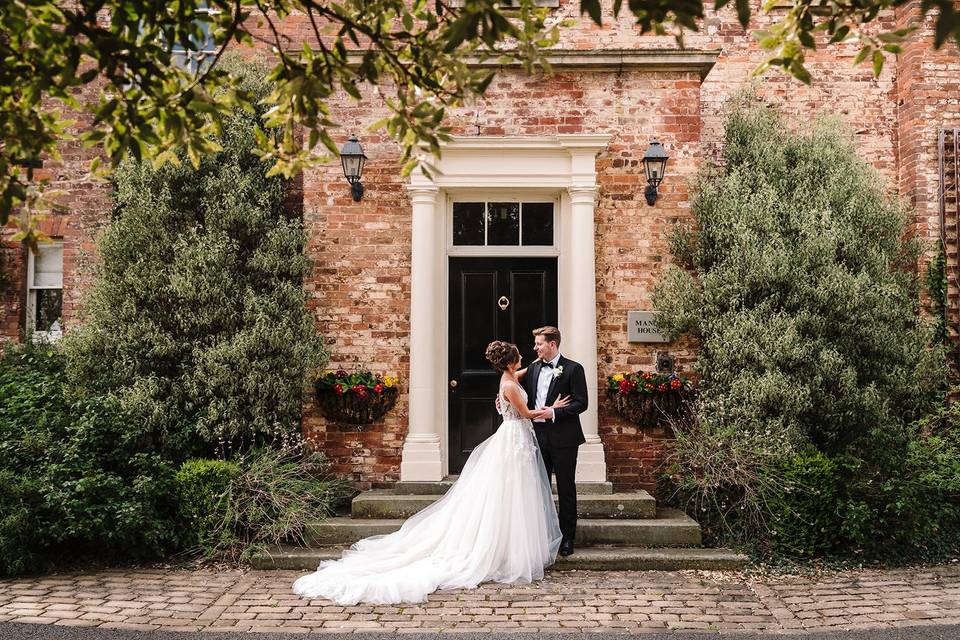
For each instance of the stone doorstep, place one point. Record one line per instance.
(585, 558)
(387, 504)
(441, 487)
(671, 528)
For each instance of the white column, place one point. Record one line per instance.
(580, 334)
(422, 460)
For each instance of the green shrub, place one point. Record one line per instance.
(803, 295)
(270, 497)
(198, 322)
(804, 511)
(76, 473)
(203, 495)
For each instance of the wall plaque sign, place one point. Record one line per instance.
(642, 328)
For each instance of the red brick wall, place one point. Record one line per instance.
(361, 283)
(927, 98)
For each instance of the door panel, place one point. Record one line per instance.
(476, 286)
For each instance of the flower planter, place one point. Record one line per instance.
(651, 410)
(649, 400)
(354, 409)
(355, 398)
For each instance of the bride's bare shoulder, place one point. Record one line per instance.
(510, 385)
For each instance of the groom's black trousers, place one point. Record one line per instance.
(562, 462)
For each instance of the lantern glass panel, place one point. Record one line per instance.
(654, 169)
(352, 166)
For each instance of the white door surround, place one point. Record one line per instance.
(561, 167)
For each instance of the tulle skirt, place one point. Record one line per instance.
(496, 523)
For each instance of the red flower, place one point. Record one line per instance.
(647, 376)
(662, 387)
(675, 384)
(648, 387)
(378, 388)
(338, 389)
(341, 373)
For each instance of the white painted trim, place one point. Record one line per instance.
(496, 168)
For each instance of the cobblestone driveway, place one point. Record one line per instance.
(581, 601)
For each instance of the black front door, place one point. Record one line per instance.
(490, 299)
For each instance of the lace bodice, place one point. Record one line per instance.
(507, 410)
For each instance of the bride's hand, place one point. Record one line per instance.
(561, 401)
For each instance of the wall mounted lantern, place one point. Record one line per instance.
(654, 164)
(352, 158)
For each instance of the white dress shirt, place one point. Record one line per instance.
(543, 385)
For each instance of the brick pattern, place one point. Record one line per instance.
(360, 287)
(573, 601)
(928, 86)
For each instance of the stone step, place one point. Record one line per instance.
(585, 558)
(386, 504)
(671, 528)
(441, 487)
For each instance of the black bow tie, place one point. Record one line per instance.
(547, 364)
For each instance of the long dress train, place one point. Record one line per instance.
(496, 523)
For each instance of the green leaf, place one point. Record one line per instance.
(840, 34)
(877, 63)
(947, 22)
(799, 71)
(743, 12)
(592, 8)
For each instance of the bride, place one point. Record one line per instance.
(496, 523)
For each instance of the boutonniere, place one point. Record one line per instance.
(558, 371)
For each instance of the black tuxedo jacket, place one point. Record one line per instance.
(564, 430)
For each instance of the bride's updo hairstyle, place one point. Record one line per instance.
(502, 354)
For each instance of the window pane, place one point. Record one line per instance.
(503, 223)
(538, 224)
(49, 302)
(48, 265)
(468, 223)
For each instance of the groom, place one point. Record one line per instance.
(558, 430)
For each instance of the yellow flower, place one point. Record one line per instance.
(618, 377)
(389, 381)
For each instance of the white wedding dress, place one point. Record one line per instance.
(496, 523)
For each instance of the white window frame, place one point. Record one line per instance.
(42, 336)
(460, 250)
(193, 60)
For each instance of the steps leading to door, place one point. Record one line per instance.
(615, 531)
(671, 527)
(585, 558)
(441, 487)
(386, 504)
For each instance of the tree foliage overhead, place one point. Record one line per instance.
(415, 53)
(790, 37)
(118, 59)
